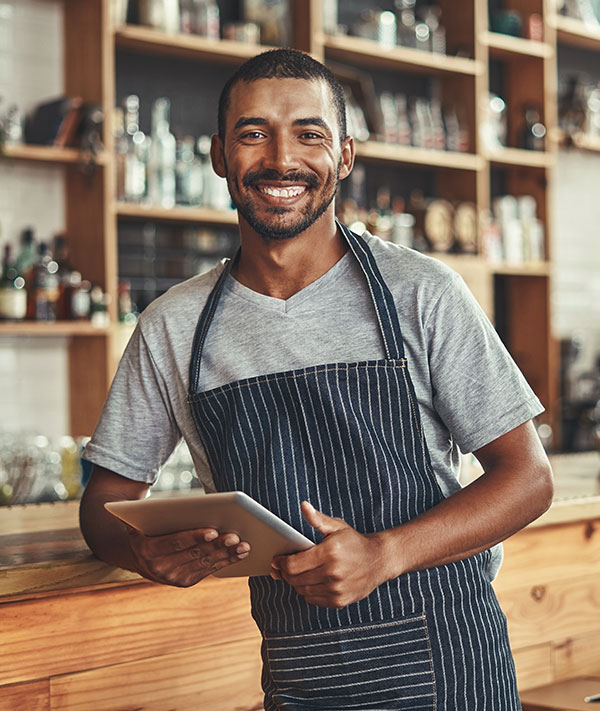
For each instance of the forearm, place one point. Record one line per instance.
(492, 508)
(105, 535)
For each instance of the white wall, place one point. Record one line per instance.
(33, 371)
(576, 251)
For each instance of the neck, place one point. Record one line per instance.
(282, 268)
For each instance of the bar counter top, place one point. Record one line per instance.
(42, 550)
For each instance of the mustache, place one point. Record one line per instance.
(296, 176)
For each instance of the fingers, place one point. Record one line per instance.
(184, 558)
(323, 523)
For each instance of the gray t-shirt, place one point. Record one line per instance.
(469, 390)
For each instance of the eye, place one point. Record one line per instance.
(311, 135)
(252, 136)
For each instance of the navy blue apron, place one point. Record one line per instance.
(348, 438)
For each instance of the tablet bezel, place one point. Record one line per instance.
(232, 511)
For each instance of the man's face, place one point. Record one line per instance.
(282, 156)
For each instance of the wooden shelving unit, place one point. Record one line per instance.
(580, 141)
(575, 33)
(176, 214)
(383, 152)
(151, 41)
(520, 157)
(49, 154)
(505, 46)
(93, 212)
(368, 53)
(53, 328)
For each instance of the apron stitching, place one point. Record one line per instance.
(230, 387)
(433, 684)
(358, 628)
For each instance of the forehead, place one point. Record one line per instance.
(282, 101)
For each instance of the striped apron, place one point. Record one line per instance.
(348, 438)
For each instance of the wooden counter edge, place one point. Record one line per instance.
(569, 510)
(60, 576)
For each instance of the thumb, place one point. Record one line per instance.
(323, 523)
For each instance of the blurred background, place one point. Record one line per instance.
(478, 141)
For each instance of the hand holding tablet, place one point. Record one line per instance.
(229, 512)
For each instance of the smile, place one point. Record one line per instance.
(292, 191)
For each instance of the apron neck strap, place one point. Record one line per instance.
(383, 302)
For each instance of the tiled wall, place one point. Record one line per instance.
(33, 371)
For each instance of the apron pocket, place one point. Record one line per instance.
(383, 665)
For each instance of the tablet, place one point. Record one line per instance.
(231, 511)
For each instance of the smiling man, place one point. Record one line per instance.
(333, 377)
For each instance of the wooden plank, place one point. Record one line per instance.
(151, 41)
(577, 656)
(514, 48)
(33, 696)
(176, 214)
(89, 380)
(51, 329)
(558, 610)
(364, 52)
(48, 154)
(39, 517)
(50, 636)
(377, 151)
(534, 666)
(561, 696)
(221, 677)
(576, 34)
(540, 556)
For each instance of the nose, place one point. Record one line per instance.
(280, 154)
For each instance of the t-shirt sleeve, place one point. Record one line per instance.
(478, 390)
(136, 431)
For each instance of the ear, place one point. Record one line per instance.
(347, 157)
(217, 156)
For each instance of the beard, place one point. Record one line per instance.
(275, 229)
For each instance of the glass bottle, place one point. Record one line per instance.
(42, 295)
(406, 22)
(534, 131)
(133, 147)
(13, 297)
(27, 255)
(61, 257)
(162, 159)
(207, 19)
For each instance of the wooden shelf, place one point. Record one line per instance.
(206, 215)
(520, 157)
(149, 40)
(541, 269)
(376, 151)
(508, 47)
(47, 154)
(576, 33)
(579, 141)
(51, 328)
(366, 52)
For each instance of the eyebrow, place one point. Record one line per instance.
(261, 121)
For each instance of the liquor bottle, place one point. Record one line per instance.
(120, 151)
(403, 122)
(162, 14)
(437, 33)
(133, 147)
(207, 19)
(188, 173)
(534, 131)
(439, 131)
(60, 250)
(406, 22)
(79, 298)
(27, 255)
(13, 297)
(161, 166)
(42, 294)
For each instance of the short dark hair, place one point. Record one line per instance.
(283, 64)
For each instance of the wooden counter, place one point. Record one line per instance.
(549, 583)
(79, 635)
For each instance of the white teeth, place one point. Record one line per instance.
(282, 192)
